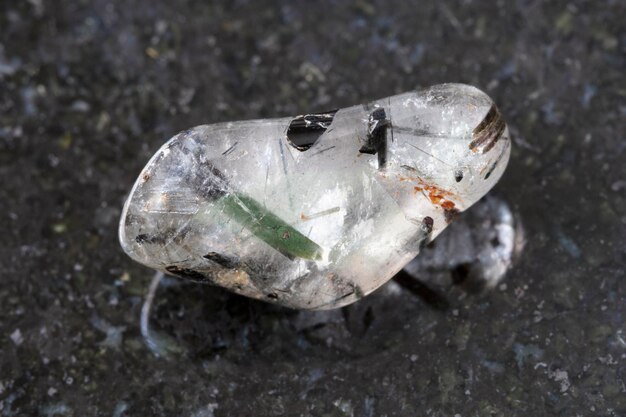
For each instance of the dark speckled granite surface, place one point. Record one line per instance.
(90, 89)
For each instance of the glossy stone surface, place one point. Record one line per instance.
(315, 211)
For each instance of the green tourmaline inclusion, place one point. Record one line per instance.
(270, 228)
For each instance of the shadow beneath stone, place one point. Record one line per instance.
(470, 257)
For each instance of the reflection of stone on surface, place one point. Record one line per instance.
(476, 250)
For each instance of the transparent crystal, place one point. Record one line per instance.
(319, 210)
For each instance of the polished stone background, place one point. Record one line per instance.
(90, 89)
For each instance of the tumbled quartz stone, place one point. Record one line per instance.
(319, 210)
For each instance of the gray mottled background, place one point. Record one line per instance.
(90, 89)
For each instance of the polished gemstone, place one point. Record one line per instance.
(318, 210)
